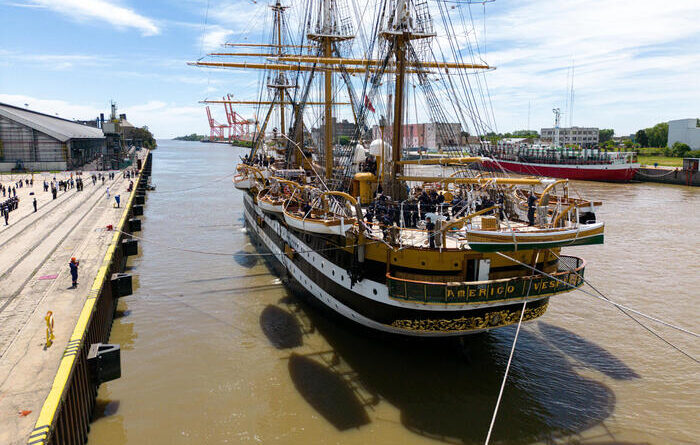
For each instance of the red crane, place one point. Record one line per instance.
(239, 126)
(217, 130)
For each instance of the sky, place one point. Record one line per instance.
(635, 62)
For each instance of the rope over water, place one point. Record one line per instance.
(607, 300)
(203, 252)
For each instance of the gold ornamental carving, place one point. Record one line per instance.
(487, 321)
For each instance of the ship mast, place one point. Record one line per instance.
(327, 33)
(281, 84)
(399, 32)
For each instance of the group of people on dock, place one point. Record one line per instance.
(8, 191)
(7, 206)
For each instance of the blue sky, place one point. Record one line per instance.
(637, 62)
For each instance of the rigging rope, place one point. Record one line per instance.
(203, 252)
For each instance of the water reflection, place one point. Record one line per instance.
(111, 421)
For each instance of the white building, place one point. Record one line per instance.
(585, 137)
(686, 131)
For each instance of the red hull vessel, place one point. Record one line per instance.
(584, 172)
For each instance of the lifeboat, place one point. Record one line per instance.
(246, 179)
(319, 220)
(242, 182)
(269, 202)
(527, 238)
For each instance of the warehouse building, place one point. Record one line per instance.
(686, 131)
(35, 141)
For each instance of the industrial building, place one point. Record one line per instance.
(35, 141)
(581, 136)
(430, 135)
(340, 129)
(686, 131)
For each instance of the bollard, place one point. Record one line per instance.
(122, 285)
(134, 225)
(49, 329)
(137, 209)
(130, 247)
(139, 199)
(104, 362)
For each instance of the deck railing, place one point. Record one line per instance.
(569, 276)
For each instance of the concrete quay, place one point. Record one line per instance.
(46, 393)
(668, 175)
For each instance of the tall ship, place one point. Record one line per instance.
(557, 161)
(413, 247)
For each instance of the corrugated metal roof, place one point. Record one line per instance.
(61, 129)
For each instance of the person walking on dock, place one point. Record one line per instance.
(34, 202)
(117, 198)
(74, 271)
(107, 193)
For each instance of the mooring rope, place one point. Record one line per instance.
(654, 333)
(510, 359)
(665, 323)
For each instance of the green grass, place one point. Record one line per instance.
(661, 160)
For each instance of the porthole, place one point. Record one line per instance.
(374, 291)
(456, 264)
(422, 263)
(333, 272)
(396, 259)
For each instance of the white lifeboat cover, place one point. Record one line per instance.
(359, 155)
(375, 147)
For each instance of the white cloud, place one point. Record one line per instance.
(635, 61)
(214, 37)
(164, 119)
(103, 10)
(58, 107)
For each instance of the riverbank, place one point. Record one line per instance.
(668, 175)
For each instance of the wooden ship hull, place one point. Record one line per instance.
(349, 228)
(369, 295)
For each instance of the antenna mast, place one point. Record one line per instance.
(557, 118)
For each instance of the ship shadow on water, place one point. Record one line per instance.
(444, 389)
(280, 327)
(587, 353)
(328, 392)
(245, 259)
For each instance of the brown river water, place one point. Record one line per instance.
(215, 350)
